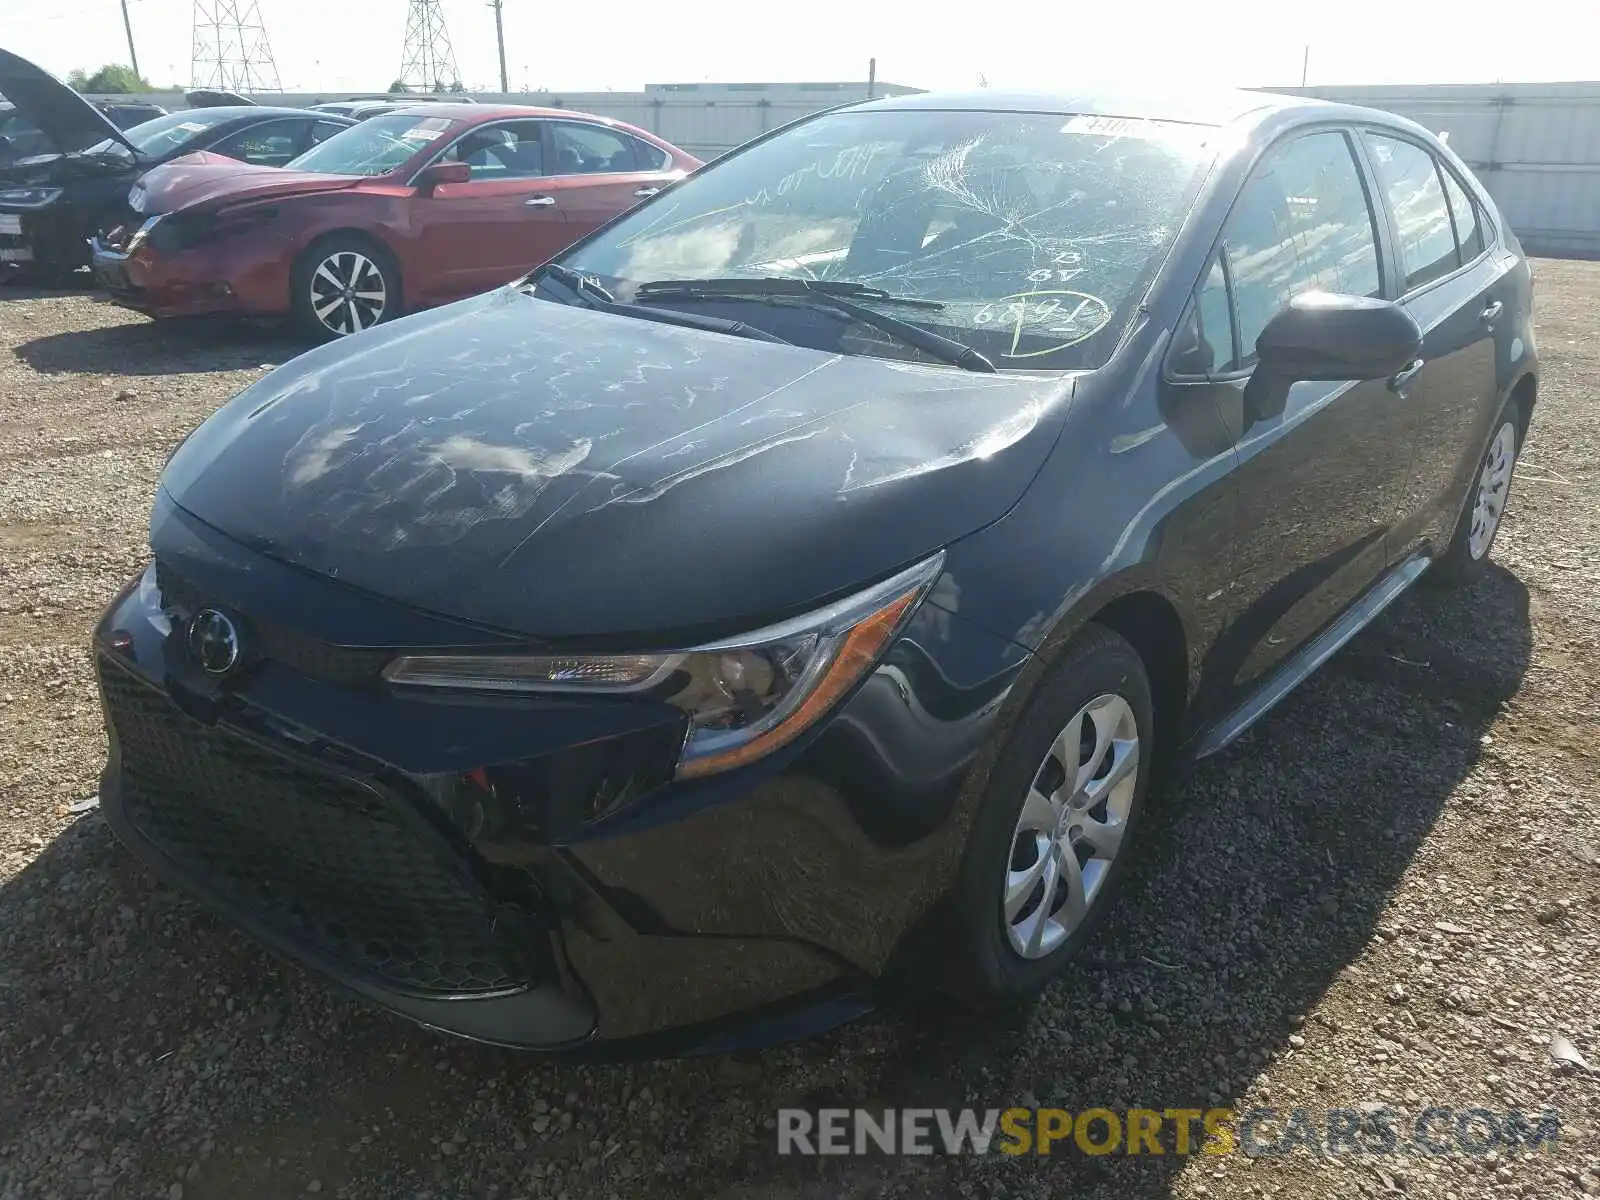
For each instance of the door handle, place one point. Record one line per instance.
(1399, 381)
(646, 191)
(1491, 313)
(540, 202)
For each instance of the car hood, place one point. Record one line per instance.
(560, 473)
(203, 177)
(66, 118)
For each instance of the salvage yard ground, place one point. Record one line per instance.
(1388, 892)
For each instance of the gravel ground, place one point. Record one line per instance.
(1386, 893)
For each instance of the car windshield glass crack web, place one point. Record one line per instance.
(1035, 233)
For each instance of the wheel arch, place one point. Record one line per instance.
(1138, 610)
(357, 233)
(1525, 391)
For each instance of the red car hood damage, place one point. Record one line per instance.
(204, 178)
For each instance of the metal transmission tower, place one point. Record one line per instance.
(428, 63)
(231, 52)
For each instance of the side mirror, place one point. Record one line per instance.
(1319, 335)
(1322, 336)
(441, 173)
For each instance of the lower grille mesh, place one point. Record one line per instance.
(322, 860)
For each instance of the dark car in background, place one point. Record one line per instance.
(408, 209)
(793, 588)
(78, 175)
(20, 137)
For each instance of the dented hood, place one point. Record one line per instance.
(66, 118)
(566, 473)
(203, 177)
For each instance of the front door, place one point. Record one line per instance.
(480, 234)
(1321, 481)
(1457, 293)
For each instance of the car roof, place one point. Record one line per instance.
(234, 112)
(482, 112)
(1198, 107)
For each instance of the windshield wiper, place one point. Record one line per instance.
(781, 285)
(596, 295)
(833, 295)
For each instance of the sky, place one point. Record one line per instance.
(592, 45)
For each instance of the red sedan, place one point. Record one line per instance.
(411, 209)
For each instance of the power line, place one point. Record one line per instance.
(231, 51)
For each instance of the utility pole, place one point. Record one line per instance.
(128, 25)
(500, 41)
(872, 78)
(1305, 65)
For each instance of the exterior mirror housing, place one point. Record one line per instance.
(443, 172)
(1319, 335)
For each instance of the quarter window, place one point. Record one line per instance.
(1409, 177)
(1204, 346)
(1302, 223)
(591, 150)
(1469, 230)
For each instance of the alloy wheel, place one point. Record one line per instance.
(348, 293)
(1494, 483)
(1071, 827)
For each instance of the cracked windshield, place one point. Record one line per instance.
(1025, 236)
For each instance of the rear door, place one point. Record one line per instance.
(1457, 291)
(1321, 481)
(602, 172)
(480, 234)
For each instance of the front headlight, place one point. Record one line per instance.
(143, 232)
(29, 197)
(744, 696)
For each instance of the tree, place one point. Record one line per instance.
(111, 79)
(458, 88)
(399, 88)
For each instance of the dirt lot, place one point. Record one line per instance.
(1388, 893)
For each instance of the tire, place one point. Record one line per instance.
(342, 285)
(1466, 558)
(1008, 944)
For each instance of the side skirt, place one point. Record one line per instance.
(1312, 655)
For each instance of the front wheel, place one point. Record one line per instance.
(1467, 557)
(342, 286)
(1054, 829)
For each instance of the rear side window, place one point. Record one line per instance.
(592, 150)
(1303, 223)
(1469, 228)
(1409, 176)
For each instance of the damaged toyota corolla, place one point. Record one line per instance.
(787, 596)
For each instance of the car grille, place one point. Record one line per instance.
(323, 860)
(278, 643)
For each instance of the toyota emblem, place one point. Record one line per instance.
(214, 641)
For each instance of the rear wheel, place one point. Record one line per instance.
(343, 285)
(1467, 557)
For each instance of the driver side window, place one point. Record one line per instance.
(514, 150)
(1303, 223)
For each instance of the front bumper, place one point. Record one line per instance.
(143, 281)
(44, 237)
(579, 899)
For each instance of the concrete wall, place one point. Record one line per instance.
(1536, 146)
